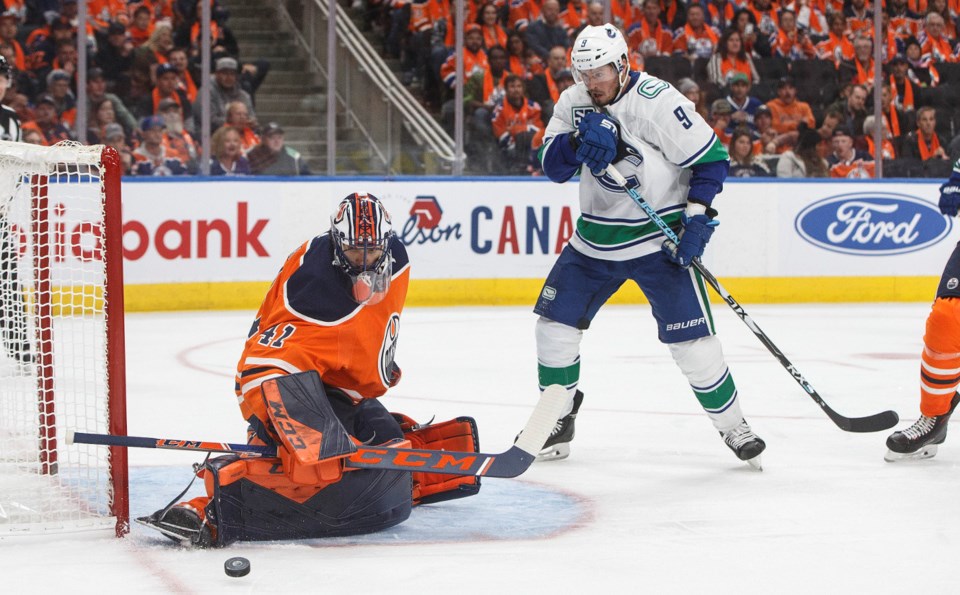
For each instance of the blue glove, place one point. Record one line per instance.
(694, 236)
(950, 196)
(598, 141)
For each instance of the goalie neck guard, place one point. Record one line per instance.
(360, 230)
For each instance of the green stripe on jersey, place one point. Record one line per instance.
(602, 234)
(704, 299)
(566, 377)
(716, 152)
(716, 399)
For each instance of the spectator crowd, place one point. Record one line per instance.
(143, 59)
(788, 85)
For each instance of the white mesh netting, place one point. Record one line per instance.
(53, 369)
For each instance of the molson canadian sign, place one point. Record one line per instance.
(872, 223)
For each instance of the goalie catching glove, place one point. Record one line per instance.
(693, 237)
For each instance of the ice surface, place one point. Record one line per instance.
(650, 501)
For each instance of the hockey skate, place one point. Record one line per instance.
(745, 444)
(557, 446)
(182, 524)
(921, 440)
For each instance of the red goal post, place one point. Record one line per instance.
(62, 365)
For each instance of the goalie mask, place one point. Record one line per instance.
(360, 230)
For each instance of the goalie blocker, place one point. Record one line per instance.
(307, 492)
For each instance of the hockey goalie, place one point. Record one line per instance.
(319, 353)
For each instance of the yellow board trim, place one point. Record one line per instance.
(524, 292)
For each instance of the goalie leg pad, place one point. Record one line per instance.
(458, 435)
(253, 500)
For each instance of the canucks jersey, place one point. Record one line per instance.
(309, 321)
(662, 137)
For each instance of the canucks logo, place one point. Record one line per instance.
(625, 153)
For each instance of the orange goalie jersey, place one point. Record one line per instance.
(309, 321)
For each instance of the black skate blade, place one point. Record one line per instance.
(925, 452)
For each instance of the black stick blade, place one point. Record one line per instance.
(872, 423)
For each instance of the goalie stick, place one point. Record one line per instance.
(872, 423)
(509, 463)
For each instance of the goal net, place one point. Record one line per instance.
(61, 339)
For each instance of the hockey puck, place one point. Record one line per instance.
(237, 567)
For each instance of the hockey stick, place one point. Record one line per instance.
(872, 423)
(510, 463)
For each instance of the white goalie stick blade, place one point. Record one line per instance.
(543, 419)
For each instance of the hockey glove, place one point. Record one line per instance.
(598, 137)
(950, 196)
(693, 237)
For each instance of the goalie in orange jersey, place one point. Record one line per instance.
(319, 353)
(940, 363)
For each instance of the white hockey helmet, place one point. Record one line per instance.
(598, 46)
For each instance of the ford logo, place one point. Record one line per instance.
(872, 224)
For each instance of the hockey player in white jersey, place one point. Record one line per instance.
(656, 139)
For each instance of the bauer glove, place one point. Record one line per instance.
(598, 136)
(950, 196)
(693, 238)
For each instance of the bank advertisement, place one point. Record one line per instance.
(234, 230)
